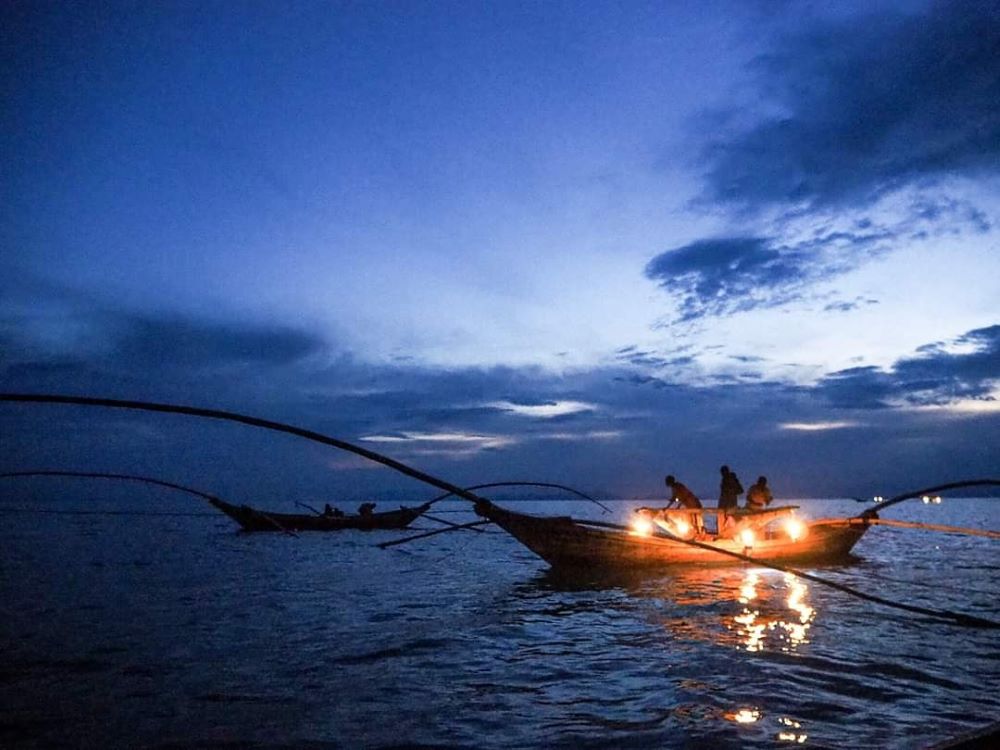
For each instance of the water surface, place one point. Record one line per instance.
(173, 631)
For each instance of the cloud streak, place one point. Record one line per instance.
(543, 411)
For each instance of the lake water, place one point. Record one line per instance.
(177, 631)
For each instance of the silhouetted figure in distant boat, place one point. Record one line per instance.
(759, 495)
(679, 493)
(365, 509)
(330, 512)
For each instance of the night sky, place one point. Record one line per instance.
(589, 243)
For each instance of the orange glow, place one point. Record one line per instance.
(795, 528)
(642, 526)
(747, 537)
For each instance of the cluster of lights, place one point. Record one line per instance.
(936, 499)
(878, 499)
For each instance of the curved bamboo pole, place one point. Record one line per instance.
(102, 475)
(133, 478)
(928, 490)
(267, 424)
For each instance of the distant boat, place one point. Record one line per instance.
(567, 543)
(252, 519)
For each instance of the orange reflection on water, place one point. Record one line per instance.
(744, 716)
(788, 627)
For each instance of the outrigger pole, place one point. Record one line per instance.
(132, 478)
(440, 483)
(267, 424)
(101, 475)
(870, 512)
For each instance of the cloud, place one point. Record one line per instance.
(724, 275)
(966, 368)
(543, 411)
(445, 421)
(864, 107)
(816, 426)
(845, 306)
(175, 340)
(728, 275)
(452, 444)
(578, 436)
(46, 326)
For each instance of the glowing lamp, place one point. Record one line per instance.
(747, 537)
(642, 526)
(795, 528)
(682, 526)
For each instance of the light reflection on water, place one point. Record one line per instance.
(762, 624)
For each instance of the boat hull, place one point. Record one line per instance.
(251, 519)
(564, 543)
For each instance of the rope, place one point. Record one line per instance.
(448, 523)
(474, 524)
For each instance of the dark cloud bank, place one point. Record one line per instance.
(638, 426)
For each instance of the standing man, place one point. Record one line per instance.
(730, 490)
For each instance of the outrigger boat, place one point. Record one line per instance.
(252, 519)
(665, 538)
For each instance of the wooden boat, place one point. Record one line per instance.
(564, 542)
(252, 519)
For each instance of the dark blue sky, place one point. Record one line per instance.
(590, 243)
